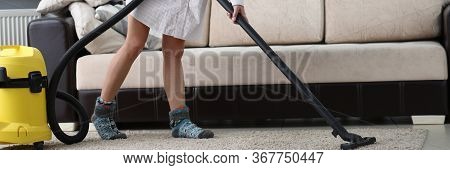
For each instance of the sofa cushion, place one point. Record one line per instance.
(279, 22)
(107, 11)
(47, 6)
(85, 22)
(337, 63)
(204, 31)
(145, 72)
(382, 20)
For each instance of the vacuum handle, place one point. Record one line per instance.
(226, 5)
(241, 21)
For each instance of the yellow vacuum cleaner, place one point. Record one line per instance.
(23, 101)
(23, 115)
(28, 98)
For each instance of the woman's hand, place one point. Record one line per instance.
(238, 9)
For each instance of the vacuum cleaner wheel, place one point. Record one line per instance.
(38, 145)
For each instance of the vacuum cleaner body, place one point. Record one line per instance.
(28, 98)
(23, 78)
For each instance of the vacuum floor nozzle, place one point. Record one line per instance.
(358, 143)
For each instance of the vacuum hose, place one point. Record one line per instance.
(53, 93)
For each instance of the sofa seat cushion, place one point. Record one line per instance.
(337, 63)
(353, 21)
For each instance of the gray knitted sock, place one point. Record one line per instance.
(182, 127)
(104, 122)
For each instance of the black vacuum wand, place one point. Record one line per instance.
(354, 141)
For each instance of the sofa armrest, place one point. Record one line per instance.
(446, 27)
(446, 39)
(53, 35)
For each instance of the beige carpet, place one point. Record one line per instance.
(248, 139)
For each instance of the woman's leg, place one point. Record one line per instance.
(122, 61)
(180, 123)
(116, 74)
(173, 50)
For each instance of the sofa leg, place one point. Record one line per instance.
(428, 120)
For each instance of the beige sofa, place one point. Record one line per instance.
(364, 58)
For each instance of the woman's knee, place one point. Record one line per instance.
(130, 50)
(134, 45)
(173, 48)
(136, 36)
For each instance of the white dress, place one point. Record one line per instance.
(178, 18)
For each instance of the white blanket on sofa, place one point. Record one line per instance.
(88, 15)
